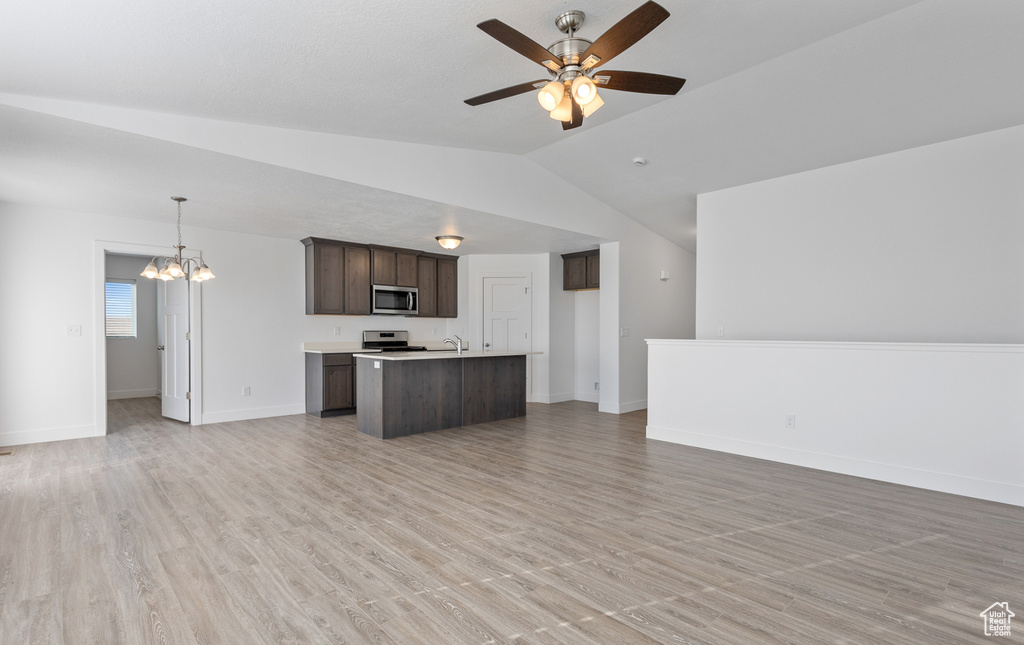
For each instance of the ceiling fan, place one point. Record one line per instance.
(572, 94)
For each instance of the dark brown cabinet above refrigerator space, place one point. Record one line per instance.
(340, 276)
(581, 270)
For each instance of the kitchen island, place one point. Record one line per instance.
(404, 393)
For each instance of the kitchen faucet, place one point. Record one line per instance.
(458, 345)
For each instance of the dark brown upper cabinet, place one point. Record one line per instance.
(427, 287)
(340, 275)
(581, 270)
(394, 267)
(337, 277)
(448, 288)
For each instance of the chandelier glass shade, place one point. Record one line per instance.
(178, 266)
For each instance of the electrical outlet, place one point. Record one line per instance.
(246, 390)
(74, 330)
(791, 421)
(337, 331)
(597, 386)
(721, 330)
(624, 332)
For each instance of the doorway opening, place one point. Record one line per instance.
(131, 365)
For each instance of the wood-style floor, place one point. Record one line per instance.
(566, 526)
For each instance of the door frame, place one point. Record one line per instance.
(100, 250)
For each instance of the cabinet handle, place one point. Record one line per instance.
(487, 344)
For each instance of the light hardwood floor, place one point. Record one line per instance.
(566, 526)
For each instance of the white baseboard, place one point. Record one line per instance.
(131, 394)
(47, 434)
(588, 396)
(930, 480)
(255, 413)
(632, 406)
(550, 398)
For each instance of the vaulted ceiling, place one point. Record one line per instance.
(347, 119)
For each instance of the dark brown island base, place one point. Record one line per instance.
(400, 394)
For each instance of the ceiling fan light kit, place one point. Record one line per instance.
(551, 95)
(584, 91)
(572, 95)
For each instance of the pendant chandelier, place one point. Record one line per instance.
(178, 266)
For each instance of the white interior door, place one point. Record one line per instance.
(507, 314)
(172, 333)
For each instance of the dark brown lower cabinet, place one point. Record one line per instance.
(330, 384)
(399, 398)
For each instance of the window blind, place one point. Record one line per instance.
(120, 308)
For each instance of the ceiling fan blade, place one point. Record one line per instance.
(641, 82)
(504, 93)
(523, 44)
(624, 34)
(577, 117)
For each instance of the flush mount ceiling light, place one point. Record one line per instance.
(449, 241)
(572, 61)
(177, 266)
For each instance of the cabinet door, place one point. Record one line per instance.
(338, 391)
(384, 271)
(327, 292)
(593, 271)
(427, 285)
(357, 280)
(447, 288)
(405, 269)
(574, 273)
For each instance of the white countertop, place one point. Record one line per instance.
(347, 348)
(427, 356)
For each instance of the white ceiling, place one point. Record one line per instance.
(772, 88)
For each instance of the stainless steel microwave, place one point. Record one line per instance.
(402, 301)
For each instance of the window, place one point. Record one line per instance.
(120, 308)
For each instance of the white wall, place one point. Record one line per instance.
(945, 417)
(648, 307)
(587, 345)
(920, 245)
(608, 397)
(562, 312)
(253, 325)
(133, 364)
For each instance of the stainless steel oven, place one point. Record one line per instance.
(402, 301)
